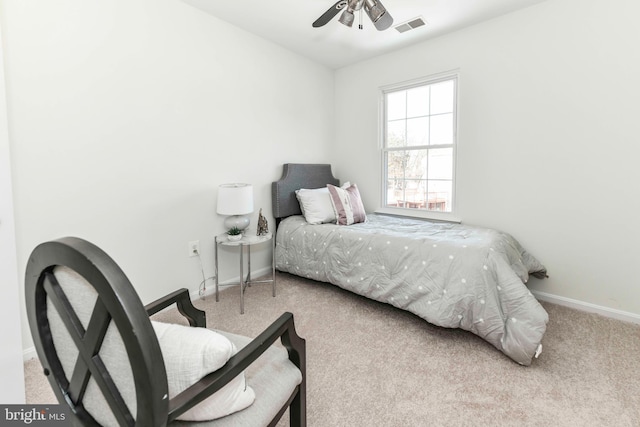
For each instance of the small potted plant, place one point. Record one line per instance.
(234, 234)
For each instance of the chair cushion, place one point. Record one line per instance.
(191, 353)
(272, 376)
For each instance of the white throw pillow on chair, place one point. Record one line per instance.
(191, 353)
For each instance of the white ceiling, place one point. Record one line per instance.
(288, 23)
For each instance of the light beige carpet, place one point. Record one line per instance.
(370, 364)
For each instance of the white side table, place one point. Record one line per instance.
(246, 242)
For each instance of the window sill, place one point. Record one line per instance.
(421, 214)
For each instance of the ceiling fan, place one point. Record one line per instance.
(375, 10)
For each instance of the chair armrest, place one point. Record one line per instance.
(283, 328)
(182, 299)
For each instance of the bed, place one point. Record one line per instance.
(451, 275)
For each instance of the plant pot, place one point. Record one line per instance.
(234, 237)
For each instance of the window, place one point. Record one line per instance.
(419, 145)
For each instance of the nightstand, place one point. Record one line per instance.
(246, 242)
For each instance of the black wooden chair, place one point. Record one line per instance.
(103, 359)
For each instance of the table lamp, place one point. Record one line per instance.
(235, 200)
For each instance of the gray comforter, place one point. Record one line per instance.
(451, 275)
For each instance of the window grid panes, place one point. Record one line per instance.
(419, 146)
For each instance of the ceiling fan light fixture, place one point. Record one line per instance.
(347, 18)
(374, 9)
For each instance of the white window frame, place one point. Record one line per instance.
(412, 212)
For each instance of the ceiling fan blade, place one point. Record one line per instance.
(329, 14)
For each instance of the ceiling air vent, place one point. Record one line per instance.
(410, 25)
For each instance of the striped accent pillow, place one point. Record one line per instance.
(347, 204)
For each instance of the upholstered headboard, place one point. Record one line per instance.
(294, 177)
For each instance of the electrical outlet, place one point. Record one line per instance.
(194, 248)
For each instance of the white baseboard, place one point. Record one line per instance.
(210, 290)
(544, 296)
(29, 353)
(588, 307)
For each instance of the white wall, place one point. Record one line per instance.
(548, 134)
(11, 372)
(124, 117)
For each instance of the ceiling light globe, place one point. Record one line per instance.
(376, 12)
(347, 18)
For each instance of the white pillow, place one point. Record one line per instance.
(191, 353)
(316, 205)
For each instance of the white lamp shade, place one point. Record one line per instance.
(235, 199)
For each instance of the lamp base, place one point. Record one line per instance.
(239, 221)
